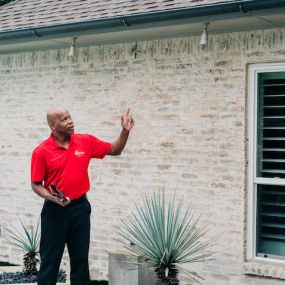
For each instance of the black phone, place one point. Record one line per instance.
(55, 192)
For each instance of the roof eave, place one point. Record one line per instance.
(192, 14)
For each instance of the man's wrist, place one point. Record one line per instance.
(49, 197)
(125, 131)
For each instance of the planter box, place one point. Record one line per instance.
(125, 269)
(19, 269)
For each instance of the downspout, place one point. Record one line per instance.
(243, 8)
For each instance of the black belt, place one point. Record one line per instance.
(72, 202)
(78, 200)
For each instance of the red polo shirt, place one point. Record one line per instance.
(67, 168)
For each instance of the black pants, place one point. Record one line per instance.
(65, 225)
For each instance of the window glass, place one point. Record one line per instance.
(271, 125)
(270, 164)
(271, 221)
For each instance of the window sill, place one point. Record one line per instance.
(265, 269)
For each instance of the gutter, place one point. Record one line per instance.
(243, 8)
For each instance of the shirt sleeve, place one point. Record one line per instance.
(99, 148)
(38, 167)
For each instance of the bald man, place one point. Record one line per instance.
(61, 162)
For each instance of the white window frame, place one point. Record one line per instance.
(253, 181)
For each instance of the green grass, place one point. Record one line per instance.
(4, 263)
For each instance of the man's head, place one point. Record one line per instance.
(60, 121)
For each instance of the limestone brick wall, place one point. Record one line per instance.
(190, 135)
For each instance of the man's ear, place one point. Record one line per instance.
(52, 124)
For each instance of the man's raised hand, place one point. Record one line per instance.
(127, 120)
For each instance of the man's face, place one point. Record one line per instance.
(63, 124)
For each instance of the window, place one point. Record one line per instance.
(267, 161)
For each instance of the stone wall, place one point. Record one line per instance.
(190, 110)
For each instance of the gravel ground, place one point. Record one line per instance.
(19, 277)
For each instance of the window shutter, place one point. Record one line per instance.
(271, 125)
(270, 164)
(271, 221)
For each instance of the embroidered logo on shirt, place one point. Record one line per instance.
(79, 153)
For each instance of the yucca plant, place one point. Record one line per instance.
(166, 237)
(29, 242)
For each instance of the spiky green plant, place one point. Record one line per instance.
(167, 237)
(28, 241)
(3, 2)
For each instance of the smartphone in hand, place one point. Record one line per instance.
(55, 192)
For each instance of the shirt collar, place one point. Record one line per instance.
(55, 145)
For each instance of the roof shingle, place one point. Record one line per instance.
(23, 14)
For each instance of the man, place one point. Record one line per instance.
(62, 160)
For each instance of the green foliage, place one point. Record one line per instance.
(27, 240)
(5, 263)
(166, 236)
(3, 2)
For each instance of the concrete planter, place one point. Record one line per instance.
(125, 269)
(19, 269)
